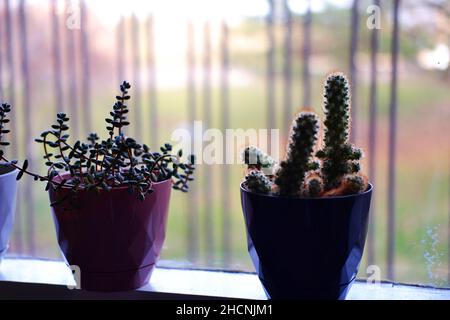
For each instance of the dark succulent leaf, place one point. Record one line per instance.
(25, 165)
(19, 175)
(52, 174)
(59, 165)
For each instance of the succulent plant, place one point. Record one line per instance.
(337, 172)
(258, 182)
(97, 165)
(339, 158)
(292, 171)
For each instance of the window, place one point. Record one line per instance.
(230, 64)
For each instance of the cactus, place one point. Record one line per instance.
(255, 158)
(291, 173)
(338, 172)
(354, 183)
(339, 158)
(313, 185)
(257, 181)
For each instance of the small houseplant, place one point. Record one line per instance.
(8, 185)
(109, 199)
(307, 218)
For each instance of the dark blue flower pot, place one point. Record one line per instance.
(306, 248)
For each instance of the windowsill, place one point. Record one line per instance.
(47, 279)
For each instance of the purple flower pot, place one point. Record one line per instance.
(113, 237)
(8, 192)
(306, 248)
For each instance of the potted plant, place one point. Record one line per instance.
(110, 199)
(8, 186)
(307, 219)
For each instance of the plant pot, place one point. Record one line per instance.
(306, 248)
(8, 192)
(113, 237)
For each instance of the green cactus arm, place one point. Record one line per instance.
(253, 156)
(291, 173)
(338, 157)
(354, 184)
(257, 182)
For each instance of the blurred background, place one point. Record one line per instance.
(243, 64)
